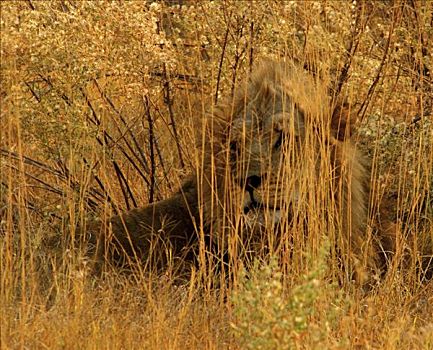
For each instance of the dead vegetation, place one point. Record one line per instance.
(99, 103)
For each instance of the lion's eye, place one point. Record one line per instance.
(279, 141)
(234, 149)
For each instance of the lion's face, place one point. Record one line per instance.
(277, 139)
(267, 148)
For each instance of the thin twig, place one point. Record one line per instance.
(250, 63)
(32, 7)
(142, 159)
(159, 153)
(29, 205)
(46, 185)
(366, 102)
(169, 103)
(151, 149)
(220, 65)
(109, 141)
(124, 186)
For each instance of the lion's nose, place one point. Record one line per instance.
(252, 182)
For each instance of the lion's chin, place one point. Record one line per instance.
(259, 210)
(259, 220)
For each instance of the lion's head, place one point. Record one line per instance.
(268, 135)
(277, 152)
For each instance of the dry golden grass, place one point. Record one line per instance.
(99, 101)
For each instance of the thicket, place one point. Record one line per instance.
(99, 101)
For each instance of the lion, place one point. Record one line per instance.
(275, 154)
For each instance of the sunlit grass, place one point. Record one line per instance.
(84, 86)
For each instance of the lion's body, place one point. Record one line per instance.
(271, 148)
(149, 233)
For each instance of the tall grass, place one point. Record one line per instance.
(99, 107)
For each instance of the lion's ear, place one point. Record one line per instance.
(342, 120)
